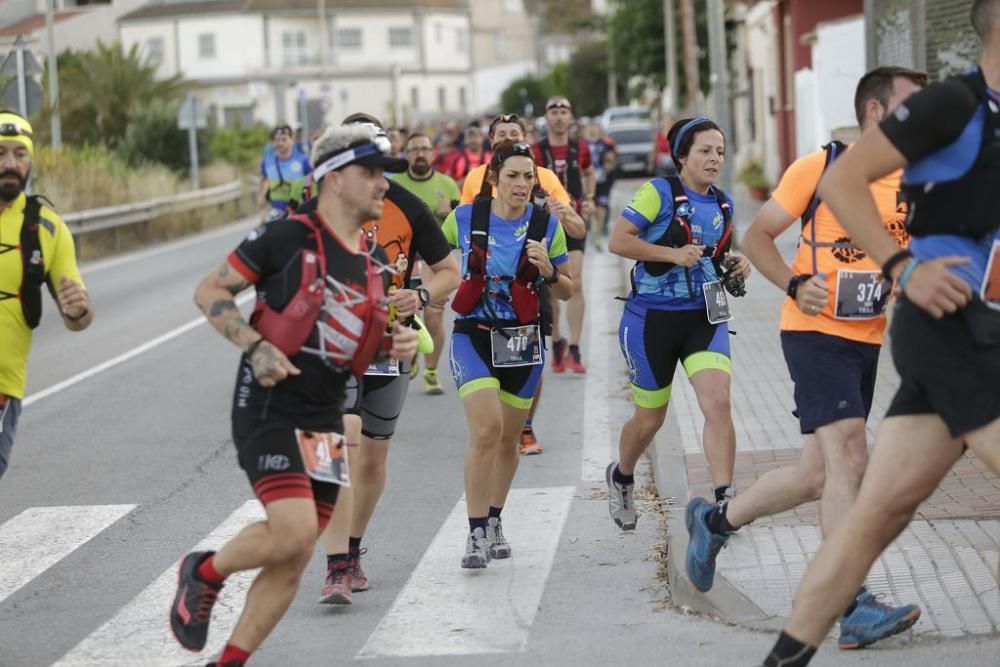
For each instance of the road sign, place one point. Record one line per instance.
(192, 114)
(31, 66)
(35, 96)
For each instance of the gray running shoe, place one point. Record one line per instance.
(477, 553)
(499, 546)
(621, 507)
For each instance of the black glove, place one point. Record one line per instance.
(734, 284)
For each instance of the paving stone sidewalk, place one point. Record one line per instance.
(946, 561)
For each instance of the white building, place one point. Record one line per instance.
(77, 24)
(268, 60)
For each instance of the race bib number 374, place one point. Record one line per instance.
(861, 295)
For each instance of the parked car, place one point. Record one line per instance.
(634, 145)
(616, 115)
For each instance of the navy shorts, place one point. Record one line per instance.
(834, 377)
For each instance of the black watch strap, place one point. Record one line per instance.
(554, 278)
(793, 285)
(424, 295)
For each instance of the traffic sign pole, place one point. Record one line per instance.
(22, 92)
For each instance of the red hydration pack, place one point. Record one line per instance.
(289, 328)
(524, 284)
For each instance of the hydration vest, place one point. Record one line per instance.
(965, 206)
(33, 273)
(289, 328)
(570, 178)
(474, 288)
(678, 234)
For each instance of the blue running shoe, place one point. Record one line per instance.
(703, 547)
(872, 620)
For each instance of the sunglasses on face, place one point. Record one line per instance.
(286, 131)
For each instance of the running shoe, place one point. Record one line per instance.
(227, 663)
(432, 386)
(529, 444)
(192, 607)
(477, 553)
(621, 506)
(573, 361)
(559, 356)
(359, 581)
(414, 369)
(704, 545)
(337, 589)
(872, 620)
(499, 546)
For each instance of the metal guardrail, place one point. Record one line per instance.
(113, 217)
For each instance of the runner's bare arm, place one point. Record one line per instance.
(571, 221)
(214, 297)
(625, 242)
(759, 246)
(445, 280)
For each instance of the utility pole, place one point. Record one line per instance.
(720, 73)
(690, 40)
(670, 55)
(612, 77)
(53, 77)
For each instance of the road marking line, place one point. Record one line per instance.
(39, 537)
(246, 297)
(598, 441)
(445, 610)
(142, 627)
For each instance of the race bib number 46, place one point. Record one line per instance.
(517, 346)
(324, 456)
(716, 303)
(861, 295)
(990, 290)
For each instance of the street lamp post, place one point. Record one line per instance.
(53, 76)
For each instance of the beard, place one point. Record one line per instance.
(420, 168)
(10, 191)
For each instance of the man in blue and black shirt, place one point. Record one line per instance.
(946, 328)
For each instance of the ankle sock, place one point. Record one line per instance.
(495, 512)
(574, 351)
(717, 521)
(527, 425)
(720, 492)
(234, 653)
(789, 652)
(478, 523)
(207, 572)
(334, 560)
(353, 545)
(621, 478)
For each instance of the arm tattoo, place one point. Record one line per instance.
(221, 307)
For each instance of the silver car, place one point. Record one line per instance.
(634, 145)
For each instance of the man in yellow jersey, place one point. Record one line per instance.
(36, 248)
(832, 323)
(510, 127)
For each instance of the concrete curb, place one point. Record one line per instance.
(724, 601)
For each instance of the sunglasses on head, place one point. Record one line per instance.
(12, 130)
(559, 104)
(278, 131)
(517, 150)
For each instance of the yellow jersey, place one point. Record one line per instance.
(59, 257)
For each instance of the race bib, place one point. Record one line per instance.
(990, 289)
(861, 295)
(716, 303)
(324, 456)
(388, 367)
(516, 346)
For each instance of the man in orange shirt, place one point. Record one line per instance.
(832, 324)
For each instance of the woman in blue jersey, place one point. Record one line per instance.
(678, 230)
(508, 249)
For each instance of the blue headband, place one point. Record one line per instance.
(687, 126)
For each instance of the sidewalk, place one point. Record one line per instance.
(946, 561)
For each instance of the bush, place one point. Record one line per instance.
(153, 136)
(240, 146)
(752, 175)
(535, 92)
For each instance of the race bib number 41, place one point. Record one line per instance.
(990, 290)
(861, 295)
(324, 456)
(517, 346)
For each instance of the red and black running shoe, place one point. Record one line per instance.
(192, 608)
(227, 663)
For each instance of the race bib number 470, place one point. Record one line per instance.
(324, 456)
(517, 346)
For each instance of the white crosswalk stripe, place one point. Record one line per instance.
(39, 537)
(444, 610)
(142, 628)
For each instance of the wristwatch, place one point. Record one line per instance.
(424, 296)
(554, 278)
(793, 285)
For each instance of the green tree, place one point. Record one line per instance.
(240, 146)
(152, 135)
(524, 92)
(584, 78)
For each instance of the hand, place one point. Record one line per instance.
(270, 365)
(557, 208)
(405, 301)
(739, 266)
(588, 207)
(934, 288)
(262, 202)
(687, 256)
(538, 254)
(404, 342)
(811, 296)
(444, 205)
(73, 299)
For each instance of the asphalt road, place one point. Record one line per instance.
(137, 466)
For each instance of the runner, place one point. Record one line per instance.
(441, 194)
(571, 161)
(679, 231)
(945, 331)
(832, 324)
(470, 155)
(602, 152)
(290, 385)
(29, 230)
(405, 229)
(496, 346)
(284, 175)
(510, 127)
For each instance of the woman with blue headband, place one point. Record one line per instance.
(679, 232)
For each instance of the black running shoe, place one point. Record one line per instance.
(192, 608)
(227, 663)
